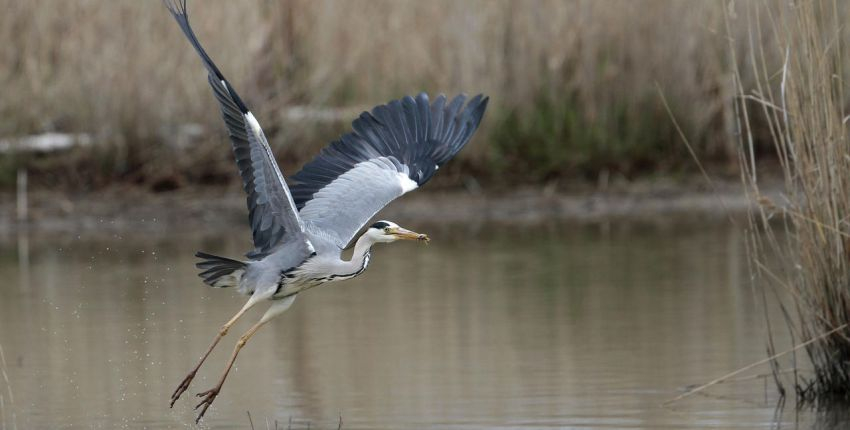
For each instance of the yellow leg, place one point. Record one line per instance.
(184, 385)
(276, 309)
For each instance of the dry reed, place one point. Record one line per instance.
(803, 98)
(13, 418)
(572, 82)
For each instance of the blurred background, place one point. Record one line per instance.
(575, 86)
(582, 271)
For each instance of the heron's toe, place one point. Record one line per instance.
(184, 385)
(208, 396)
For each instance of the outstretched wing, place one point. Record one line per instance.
(394, 149)
(272, 214)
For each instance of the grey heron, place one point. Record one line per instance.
(299, 232)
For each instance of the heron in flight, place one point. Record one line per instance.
(300, 232)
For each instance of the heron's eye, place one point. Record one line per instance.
(387, 230)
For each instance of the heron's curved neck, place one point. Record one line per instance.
(360, 257)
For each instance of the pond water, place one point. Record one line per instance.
(551, 326)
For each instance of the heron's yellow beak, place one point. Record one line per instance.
(405, 234)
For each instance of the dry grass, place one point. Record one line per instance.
(803, 99)
(12, 414)
(572, 82)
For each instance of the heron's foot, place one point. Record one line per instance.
(182, 387)
(208, 396)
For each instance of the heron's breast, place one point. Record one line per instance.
(311, 275)
(292, 283)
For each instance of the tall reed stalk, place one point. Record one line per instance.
(802, 97)
(13, 418)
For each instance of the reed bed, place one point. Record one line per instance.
(573, 83)
(802, 99)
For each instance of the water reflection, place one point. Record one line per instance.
(543, 327)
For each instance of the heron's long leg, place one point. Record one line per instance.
(184, 385)
(277, 308)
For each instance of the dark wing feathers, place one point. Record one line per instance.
(411, 136)
(272, 214)
(178, 10)
(392, 150)
(412, 131)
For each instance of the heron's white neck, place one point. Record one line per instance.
(360, 257)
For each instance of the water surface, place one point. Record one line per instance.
(488, 327)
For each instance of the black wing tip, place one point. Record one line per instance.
(180, 13)
(477, 103)
(478, 106)
(479, 99)
(177, 8)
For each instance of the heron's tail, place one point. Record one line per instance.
(218, 271)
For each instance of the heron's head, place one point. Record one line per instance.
(387, 231)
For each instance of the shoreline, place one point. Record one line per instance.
(121, 209)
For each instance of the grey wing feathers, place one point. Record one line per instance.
(272, 212)
(337, 211)
(394, 149)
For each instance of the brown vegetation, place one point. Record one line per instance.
(803, 98)
(572, 82)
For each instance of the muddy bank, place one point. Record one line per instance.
(133, 209)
